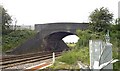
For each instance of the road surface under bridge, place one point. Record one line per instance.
(49, 37)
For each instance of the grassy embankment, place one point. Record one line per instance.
(15, 38)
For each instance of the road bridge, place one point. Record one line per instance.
(49, 37)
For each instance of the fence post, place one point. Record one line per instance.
(53, 57)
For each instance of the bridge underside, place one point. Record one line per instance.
(54, 42)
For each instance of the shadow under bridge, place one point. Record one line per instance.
(54, 42)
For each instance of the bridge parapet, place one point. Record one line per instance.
(82, 26)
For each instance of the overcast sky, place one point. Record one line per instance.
(30, 12)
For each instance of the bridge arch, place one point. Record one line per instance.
(54, 42)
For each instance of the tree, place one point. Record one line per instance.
(117, 21)
(117, 26)
(100, 19)
(84, 37)
(6, 20)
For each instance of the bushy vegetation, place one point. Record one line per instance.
(115, 40)
(15, 38)
(71, 57)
